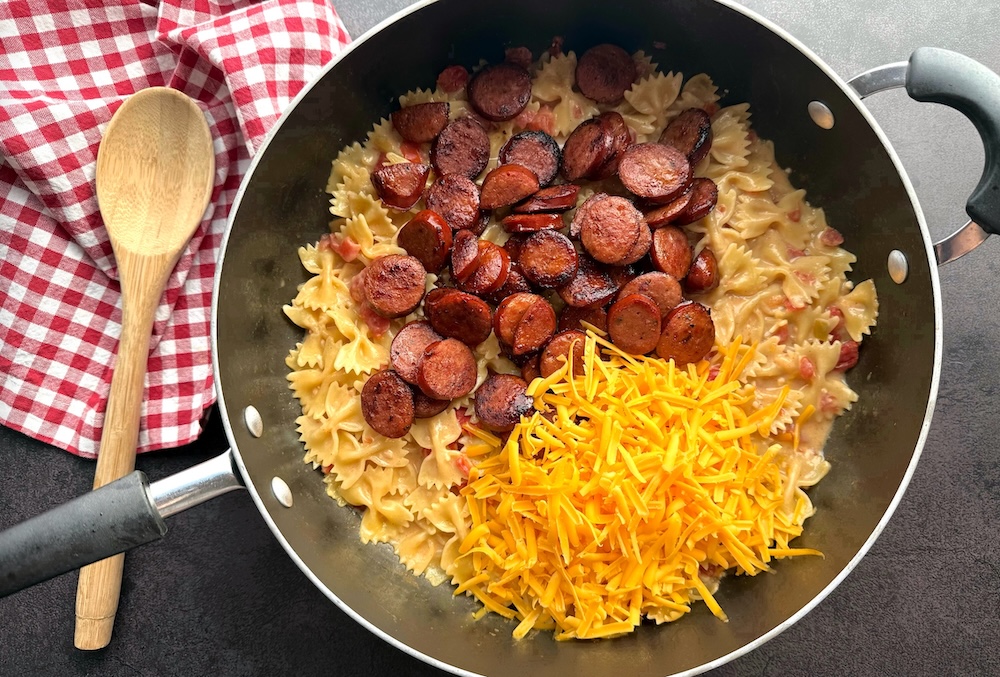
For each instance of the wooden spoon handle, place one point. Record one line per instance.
(143, 280)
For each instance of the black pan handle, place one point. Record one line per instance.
(115, 518)
(955, 80)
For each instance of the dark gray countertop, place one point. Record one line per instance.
(218, 594)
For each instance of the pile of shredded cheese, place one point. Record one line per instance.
(647, 478)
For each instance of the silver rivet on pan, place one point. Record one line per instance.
(898, 266)
(281, 491)
(821, 114)
(251, 417)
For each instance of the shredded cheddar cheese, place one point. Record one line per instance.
(640, 483)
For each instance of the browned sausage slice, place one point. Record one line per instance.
(516, 283)
(621, 138)
(582, 213)
(662, 216)
(655, 172)
(688, 334)
(427, 238)
(552, 199)
(463, 148)
(520, 56)
(387, 404)
(530, 370)
(456, 199)
(492, 271)
(610, 229)
(671, 253)
(573, 318)
(447, 370)
(548, 259)
(509, 314)
(604, 73)
(500, 92)
(537, 326)
(513, 246)
(422, 122)
(506, 185)
(531, 223)
(408, 347)
(535, 150)
(663, 289)
(640, 248)
(704, 196)
(400, 186)
(501, 401)
(592, 286)
(690, 133)
(425, 407)
(460, 316)
(586, 150)
(704, 273)
(634, 324)
(394, 285)
(464, 255)
(559, 347)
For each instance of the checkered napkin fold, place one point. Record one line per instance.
(65, 67)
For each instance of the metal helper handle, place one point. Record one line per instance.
(114, 518)
(941, 76)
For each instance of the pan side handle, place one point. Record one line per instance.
(119, 516)
(954, 80)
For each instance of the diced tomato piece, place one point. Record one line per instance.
(828, 403)
(462, 463)
(712, 108)
(793, 306)
(348, 249)
(357, 287)
(848, 356)
(543, 120)
(577, 111)
(831, 237)
(751, 135)
(807, 369)
(411, 151)
(713, 372)
(325, 243)
(794, 253)
(807, 278)
(327, 469)
(795, 215)
(520, 56)
(377, 324)
(782, 334)
(463, 416)
(452, 79)
(838, 332)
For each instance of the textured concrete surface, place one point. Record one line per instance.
(220, 596)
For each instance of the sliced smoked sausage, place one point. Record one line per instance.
(400, 186)
(552, 199)
(530, 369)
(634, 324)
(492, 270)
(462, 147)
(408, 348)
(456, 199)
(704, 196)
(668, 213)
(425, 407)
(531, 223)
(458, 315)
(621, 138)
(664, 290)
(586, 150)
(640, 248)
(501, 401)
(464, 255)
(610, 228)
(655, 172)
(671, 252)
(500, 92)
(509, 314)
(506, 185)
(548, 259)
(447, 370)
(537, 326)
(427, 238)
(591, 286)
(516, 283)
(573, 318)
(422, 122)
(535, 150)
(559, 346)
(704, 273)
(395, 284)
(387, 404)
(604, 73)
(690, 133)
(688, 334)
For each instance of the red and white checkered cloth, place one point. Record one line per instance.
(65, 67)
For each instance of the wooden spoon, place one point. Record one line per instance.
(155, 172)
